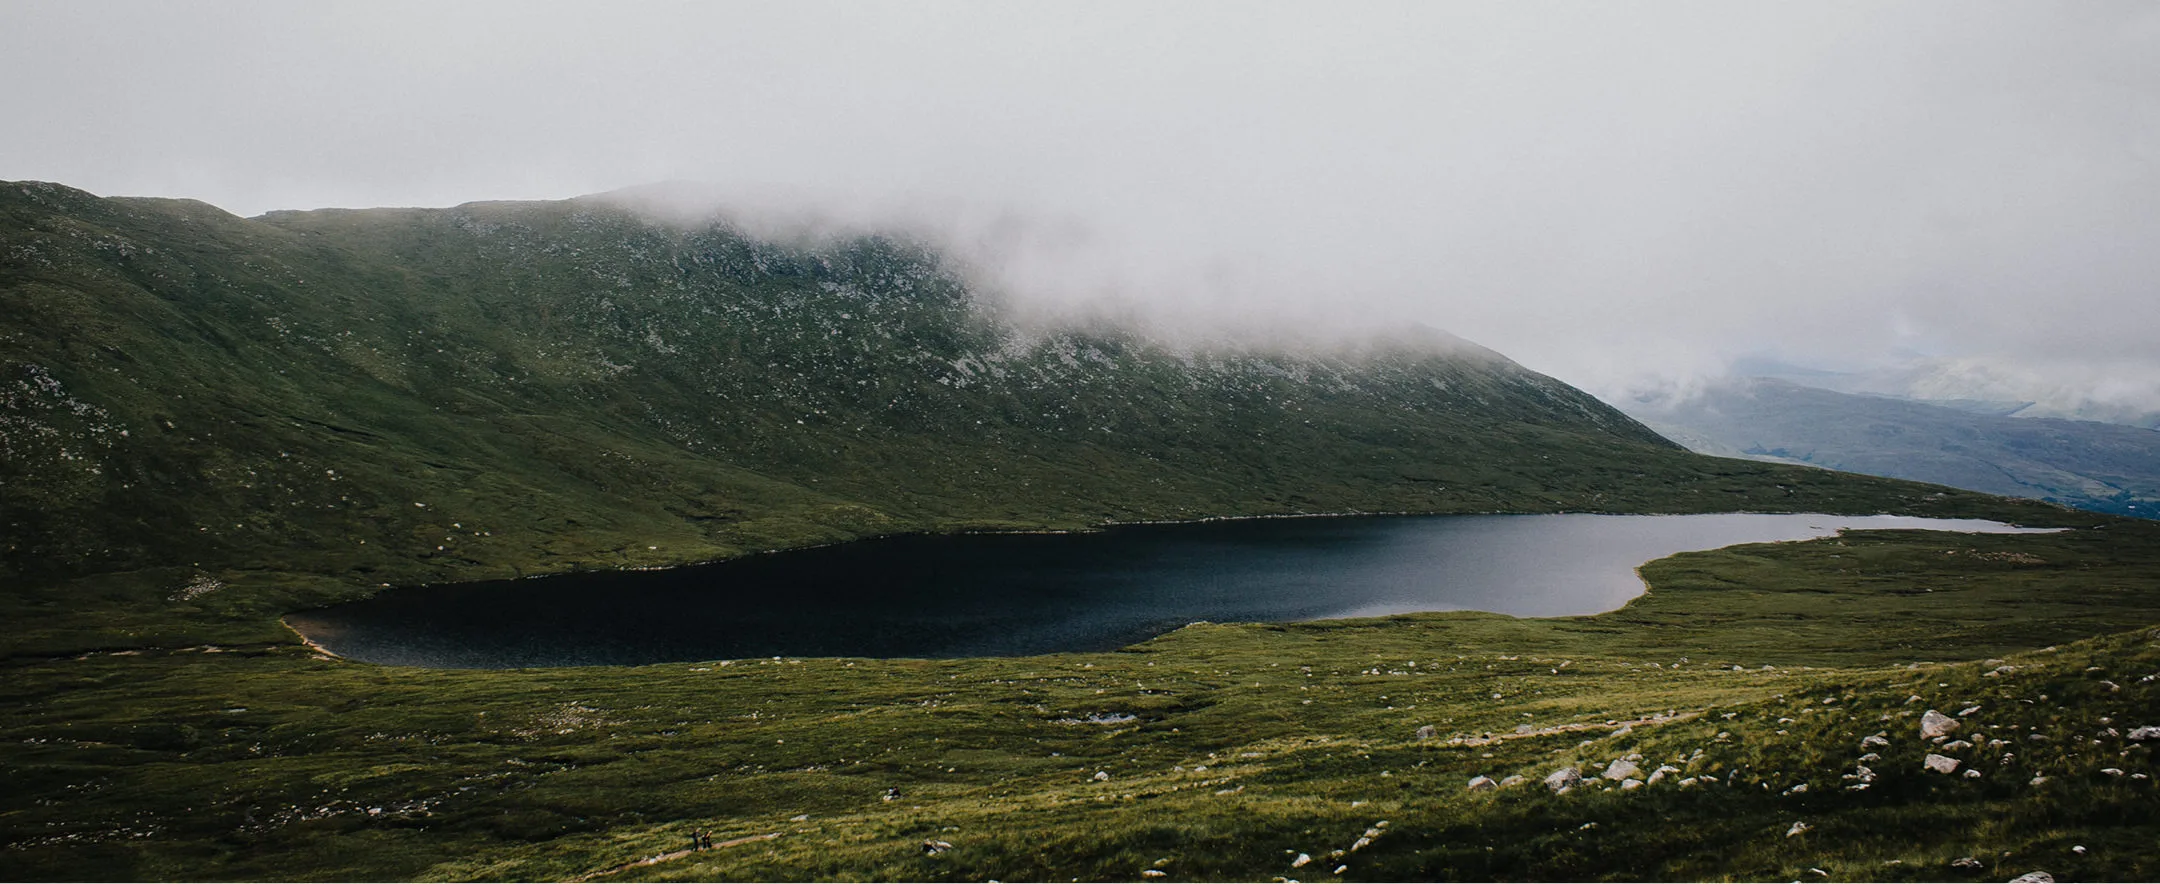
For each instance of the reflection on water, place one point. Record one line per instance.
(1002, 595)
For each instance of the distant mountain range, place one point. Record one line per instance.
(2091, 465)
(1978, 386)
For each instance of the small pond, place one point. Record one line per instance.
(1015, 594)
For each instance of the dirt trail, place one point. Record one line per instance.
(669, 857)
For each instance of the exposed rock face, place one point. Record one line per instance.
(1563, 779)
(1941, 764)
(1935, 724)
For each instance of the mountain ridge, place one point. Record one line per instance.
(402, 395)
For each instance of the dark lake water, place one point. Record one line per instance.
(1016, 594)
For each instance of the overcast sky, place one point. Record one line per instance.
(1605, 192)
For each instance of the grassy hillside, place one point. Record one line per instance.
(2106, 468)
(309, 405)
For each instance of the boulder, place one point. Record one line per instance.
(1513, 780)
(2033, 878)
(1622, 769)
(1797, 828)
(1935, 724)
(1300, 862)
(1427, 732)
(1630, 784)
(1483, 784)
(1563, 779)
(2145, 733)
(1941, 763)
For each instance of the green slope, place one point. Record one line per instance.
(397, 396)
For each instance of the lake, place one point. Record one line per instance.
(1015, 594)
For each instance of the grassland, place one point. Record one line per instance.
(1762, 666)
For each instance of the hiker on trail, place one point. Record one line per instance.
(695, 838)
(707, 836)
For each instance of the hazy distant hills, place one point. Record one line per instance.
(408, 394)
(2086, 464)
(1966, 384)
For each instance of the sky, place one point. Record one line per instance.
(1623, 195)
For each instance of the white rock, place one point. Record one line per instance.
(2145, 733)
(1154, 873)
(1300, 862)
(1874, 740)
(1935, 724)
(1956, 746)
(1427, 732)
(2039, 780)
(1972, 774)
(1483, 784)
(2112, 771)
(1622, 769)
(1940, 763)
(1797, 828)
(1512, 780)
(1102, 776)
(2033, 878)
(1563, 779)
(1630, 784)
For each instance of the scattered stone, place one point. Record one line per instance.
(2079, 850)
(1965, 862)
(1300, 862)
(1940, 763)
(1690, 781)
(1972, 774)
(1956, 746)
(1870, 757)
(2111, 686)
(2145, 733)
(1427, 732)
(1102, 776)
(1483, 784)
(1525, 729)
(1563, 779)
(1874, 740)
(2034, 877)
(1967, 711)
(2036, 781)
(933, 848)
(1935, 724)
(1797, 828)
(1630, 784)
(2112, 771)
(1621, 770)
(1797, 789)
(1154, 873)
(799, 818)
(1513, 780)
